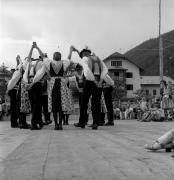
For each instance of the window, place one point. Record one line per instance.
(147, 92)
(116, 63)
(129, 87)
(116, 73)
(129, 75)
(154, 92)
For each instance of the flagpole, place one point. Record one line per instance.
(160, 45)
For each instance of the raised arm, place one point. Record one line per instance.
(71, 49)
(30, 53)
(40, 51)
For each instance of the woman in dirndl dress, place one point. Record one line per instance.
(166, 101)
(58, 92)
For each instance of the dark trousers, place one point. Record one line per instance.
(22, 119)
(35, 95)
(90, 89)
(45, 108)
(108, 100)
(13, 107)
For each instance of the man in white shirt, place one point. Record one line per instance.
(94, 72)
(35, 90)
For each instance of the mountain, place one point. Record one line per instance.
(146, 55)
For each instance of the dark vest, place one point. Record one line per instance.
(95, 65)
(56, 74)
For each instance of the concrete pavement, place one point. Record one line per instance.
(110, 153)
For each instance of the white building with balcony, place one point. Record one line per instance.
(124, 71)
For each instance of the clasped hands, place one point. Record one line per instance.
(98, 83)
(72, 48)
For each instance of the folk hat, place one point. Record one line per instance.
(84, 50)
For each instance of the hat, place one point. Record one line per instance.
(84, 50)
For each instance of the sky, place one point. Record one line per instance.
(105, 26)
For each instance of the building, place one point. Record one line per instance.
(151, 84)
(128, 76)
(124, 72)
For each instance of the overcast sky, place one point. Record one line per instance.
(106, 26)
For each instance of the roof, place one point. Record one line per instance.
(117, 55)
(146, 80)
(114, 68)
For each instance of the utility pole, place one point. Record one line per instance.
(160, 45)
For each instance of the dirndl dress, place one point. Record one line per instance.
(167, 103)
(58, 92)
(25, 106)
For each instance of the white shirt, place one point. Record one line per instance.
(15, 78)
(46, 68)
(88, 73)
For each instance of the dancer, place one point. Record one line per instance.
(12, 89)
(94, 72)
(35, 90)
(19, 103)
(57, 86)
(79, 81)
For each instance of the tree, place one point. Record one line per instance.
(119, 90)
(140, 93)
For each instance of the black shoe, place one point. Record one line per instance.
(35, 127)
(15, 126)
(168, 149)
(56, 127)
(25, 126)
(109, 124)
(48, 122)
(94, 126)
(79, 125)
(41, 125)
(101, 124)
(60, 127)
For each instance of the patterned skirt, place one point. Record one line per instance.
(25, 106)
(167, 103)
(59, 95)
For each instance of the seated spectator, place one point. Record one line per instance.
(143, 104)
(122, 112)
(154, 114)
(163, 142)
(117, 113)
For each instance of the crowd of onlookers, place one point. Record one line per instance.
(144, 110)
(4, 107)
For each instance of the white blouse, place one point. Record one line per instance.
(46, 68)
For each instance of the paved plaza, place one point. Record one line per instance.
(110, 153)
